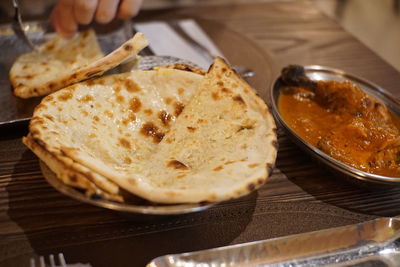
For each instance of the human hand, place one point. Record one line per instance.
(67, 14)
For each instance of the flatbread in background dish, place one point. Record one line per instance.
(173, 136)
(63, 62)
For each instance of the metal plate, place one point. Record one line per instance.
(373, 243)
(134, 206)
(326, 73)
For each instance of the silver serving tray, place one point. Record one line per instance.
(372, 243)
(315, 72)
(139, 206)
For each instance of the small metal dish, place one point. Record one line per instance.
(140, 207)
(316, 73)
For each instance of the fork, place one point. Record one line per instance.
(243, 71)
(61, 261)
(19, 28)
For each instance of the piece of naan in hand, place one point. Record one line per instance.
(105, 117)
(62, 62)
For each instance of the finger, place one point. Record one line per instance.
(129, 8)
(84, 10)
(65, 18)
(54, 19)
(106, 10)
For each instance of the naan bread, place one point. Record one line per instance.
(166, 136)
(63, 62)
(103, 116)
(76, 175)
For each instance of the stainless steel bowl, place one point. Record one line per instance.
(315, 72)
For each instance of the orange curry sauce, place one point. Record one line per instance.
(313, 121)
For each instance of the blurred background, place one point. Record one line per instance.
(376, 23)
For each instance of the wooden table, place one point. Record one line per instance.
(300, 196)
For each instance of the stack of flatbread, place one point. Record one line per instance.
(168, 135)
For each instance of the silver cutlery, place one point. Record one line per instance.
(61, 261)
(18, 27)
(243, 71)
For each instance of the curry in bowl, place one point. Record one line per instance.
(343, 121)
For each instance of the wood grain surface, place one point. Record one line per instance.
(300, 196)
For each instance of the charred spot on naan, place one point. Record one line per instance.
(117, 89)
(120, 99)
(178, 108)
(149, 129)
(215, 96)
(253, 165)
(124, 143)
(239, 99)
(251, 187)
(108, 113)
(165, 117)
(168, 100)
(245, 127)
(92, 135)
(148, 112)
(181, 91)
(86, 99)
(90, 82)
(177, 165)
(135, 104)
(218, 168)
(131, 86)
(191, 129)
(226, 91)
(65, 95)
(128, 47)
(127, 160)
(49, 117)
